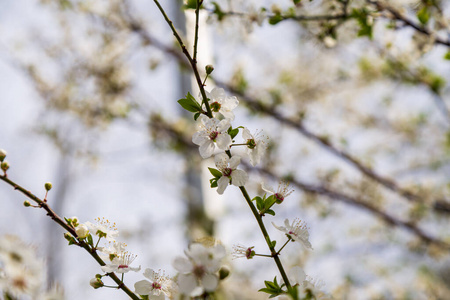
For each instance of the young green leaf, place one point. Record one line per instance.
(423, 16)
(214, 172)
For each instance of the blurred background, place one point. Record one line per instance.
(354, 96)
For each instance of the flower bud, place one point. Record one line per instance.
(276, 9)
(26, 203)
(224, 272)
(82, 231)
(48, 186)
(96, 283)
(5, 166)
(209, 69)
(2, 154)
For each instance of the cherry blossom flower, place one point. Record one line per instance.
(82, 231)
(198, 272)
(220, 103)
(121, 264)
(103, 228)
(227, 166)
(212, 132)
(297, 231)
(242, 251)
(256, 145)
(158, 286)
(282, 192)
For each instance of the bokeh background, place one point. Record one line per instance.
(354, 96)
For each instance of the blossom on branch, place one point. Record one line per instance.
(282, 192)
(103, 229)
(157, 285)
(230, 175)
(256, 145)
(221, 104)
(198, 272)
(212, 132)
(297, 231)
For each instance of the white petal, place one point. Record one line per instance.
(235, 161)
(286, 223)
(207, 149)
(246, 134)
(220, 160)
(297, 275)
(200, 137)
(182, 265)
(281, 228)
(187, 283)
(223, 141)
(157, 297)
(217, 94)
(109, 268)
(267, 189)
(149, 273)
(223, 125)
(222, 184)
(210, 282)
(227, 114)
(143, 287)
(239, 177)
(230, 103)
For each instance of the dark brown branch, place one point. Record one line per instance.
(381, 6)
(162, 127)
(44, 205)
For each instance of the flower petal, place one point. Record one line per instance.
(143, 287)
(187, 283)
(239, 177)
(234, 162)
(207, 149)
(222, 184)
(210, 282)
(182, 265)
(223, 141)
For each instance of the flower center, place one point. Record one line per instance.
(227, 172)
(156, 285)
(213, 135)
(279, 197)
(198, 271)
(123, 266)
(215, 106)
(251, 143)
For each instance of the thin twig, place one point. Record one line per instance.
(44, 205)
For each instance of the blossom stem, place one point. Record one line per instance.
(263, 255)
(193, 62)
(289, 239)
(238, 145)
(97, 242)
(71, 230)
(266, 236)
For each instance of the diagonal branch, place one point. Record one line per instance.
(44, 205)
(167, 130)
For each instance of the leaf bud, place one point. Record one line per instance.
(2, 154)
(224, 272)
(96, 283)
(48, 186)
(26, 203)
(209, 69)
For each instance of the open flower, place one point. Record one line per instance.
(158, 286)
(297, 231)
(282, 192)
(121, 263)
(227, 166)
(242, 251)
(221, 104)
(198, 272)
(212, 132)
(103, 228)
(256, 145)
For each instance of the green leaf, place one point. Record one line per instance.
(191, 4)
(269, 202)
(297, 1)
(214, 172)
(447, 55)
(423, 15)
(233, 132)
(190, 104)
(89, 240)
(270, 212)
(365, 27)
(275, 19)
(213, 182)
(218, 11)
(196, 116)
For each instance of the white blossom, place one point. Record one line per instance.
(282, 192)
(256, 145)
(242, 251)
(227, 166)
(220, 103)
(156, 287)
(297, 231)
(198, 270)
(82, 231)
(120, 261)
(212, 132)
(103, 228)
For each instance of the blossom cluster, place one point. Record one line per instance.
(217, 133)
(22, 273)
